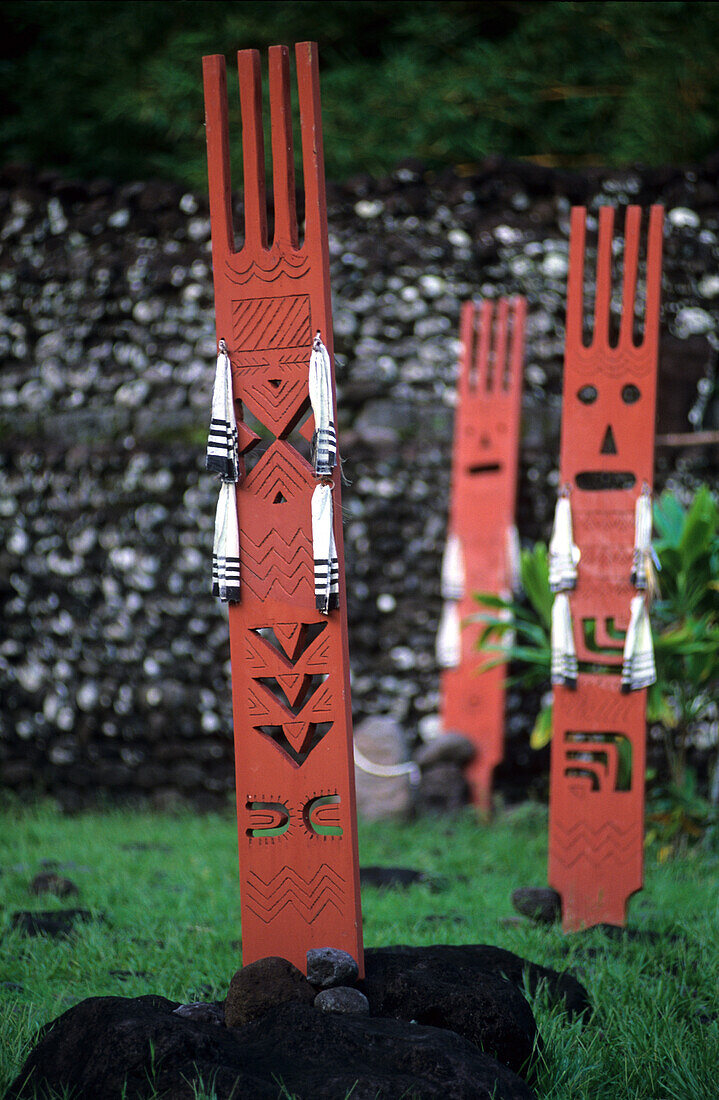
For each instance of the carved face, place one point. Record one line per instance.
(609, 410)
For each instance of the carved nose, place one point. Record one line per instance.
(609, 446)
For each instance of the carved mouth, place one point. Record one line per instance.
(485, 468)
(594, 480)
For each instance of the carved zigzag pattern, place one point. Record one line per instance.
(308, 897)
(608, 842)
(278, 567)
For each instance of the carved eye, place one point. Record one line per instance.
(630, 394)
(587, 395)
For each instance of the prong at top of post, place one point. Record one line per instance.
(632, 226)
(575, 282)
(218, 152)
(485, 314)
(308, 85)
(498, 357)
(654, 273)
(253, 148)
(466, 338)
(603, 298)
(515, 358)
(283, 165)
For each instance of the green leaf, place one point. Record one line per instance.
(541, 734)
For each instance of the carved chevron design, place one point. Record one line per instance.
(608, 842)
(277, 472)
(277, 567)
(308, 897)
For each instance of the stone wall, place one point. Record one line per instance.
(114, 664)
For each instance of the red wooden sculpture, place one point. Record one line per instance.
(481, 523)
(596, 823)
(290, 668)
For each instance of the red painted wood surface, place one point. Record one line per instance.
(596, 827)
(484, 489)
(299, 869)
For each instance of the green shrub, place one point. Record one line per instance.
(685, 625)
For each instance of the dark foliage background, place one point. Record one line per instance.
(114, 88)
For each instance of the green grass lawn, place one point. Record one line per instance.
(167, 888)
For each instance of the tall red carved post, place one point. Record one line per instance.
(299, 869)
(484, 488)
(596, 824)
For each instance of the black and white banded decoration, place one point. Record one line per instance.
(324, 460)
(564, 656)
(638, 668)
(563, 554)
(563, 560)
(324, 440)
(327, 587)
(223, 458)
(448, 644)
(644, 560)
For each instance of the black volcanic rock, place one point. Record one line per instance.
(106, 1044)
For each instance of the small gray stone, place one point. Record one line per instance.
(381, 740)
(541, 903)
(328, 966)
(342, 999)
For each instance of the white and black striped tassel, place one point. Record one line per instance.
(564, 656)
(324, 440)
(222, 456)
(643, 562)
(327, 589)
(638, 668)
(226, 549)
(452, 576)
(448, 644)
(563, 554)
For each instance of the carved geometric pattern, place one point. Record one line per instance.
(307, 896)
(295, 738)
(302, 647)
(277, 567)
(608, 843)
(293, 265)
(275, 397)
(276, 472)
(268, 323)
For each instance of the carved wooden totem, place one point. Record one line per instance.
(290, 668)
(484, 489)
(596, 826)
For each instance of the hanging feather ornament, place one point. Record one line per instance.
(448, 644)
(563, 554)
(327, 589)
(644, 561)
(564, 657)
(226, 549)
(324, 440)
(222, 456)
(452, 576)
(514, 559)
(638, 668)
